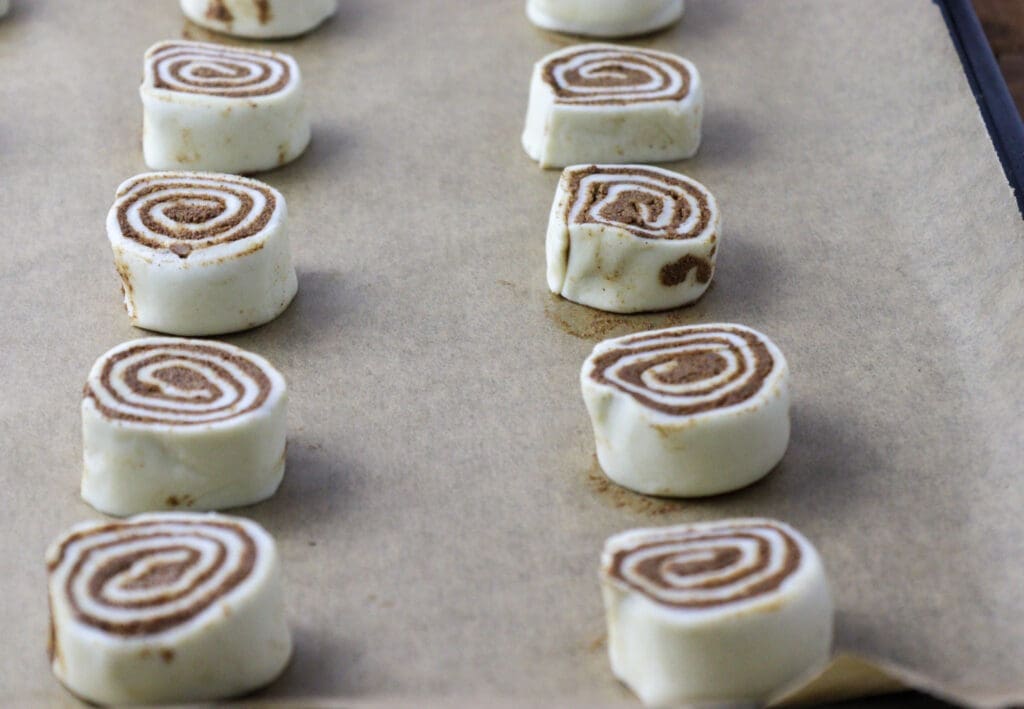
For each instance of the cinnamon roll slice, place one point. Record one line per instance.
(688, 411)
(201, 253)
(166, 607)
(170, 423)
(630, 238)
(720, 612)
(604, 18)
(259, 19)
(221, 109)
(604, 103)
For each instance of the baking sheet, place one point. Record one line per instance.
(998, 108)
(442, 513)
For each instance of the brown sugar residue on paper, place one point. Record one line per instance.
(620, 498)
(590, 324)
(517, 290)
(581, 321)
(196, 33)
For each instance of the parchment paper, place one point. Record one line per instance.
(442, 513)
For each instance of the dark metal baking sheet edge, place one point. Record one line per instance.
(997, 107)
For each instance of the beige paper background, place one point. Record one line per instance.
(441, 516)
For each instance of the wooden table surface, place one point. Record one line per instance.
(1003, 21)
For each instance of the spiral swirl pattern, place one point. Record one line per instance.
(145, 576)
(647, 202)
(687, 370)
(185, 212)
(216, 70)
(707, 566)
(611, 75)
(179, 382)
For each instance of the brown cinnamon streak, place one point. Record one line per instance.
(630, 205)
(672, 274)
(188, 381)
(137, 531)
(722, 557)
(226, 60)
(178, 195)
(618, 75)
(712, 339)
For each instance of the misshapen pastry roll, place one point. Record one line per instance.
(166, 607)
(631, 238)
(688, 411)
(602, 103)
(170, 423)
(723, 612)
(201, 253)
(259, 19)
(221, 109)
(604, 18)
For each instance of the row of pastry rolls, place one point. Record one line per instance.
(177, 604)
(718, 612)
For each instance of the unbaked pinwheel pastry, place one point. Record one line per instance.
(259, 19)
(166, 607)
(221, 109)
(170, 423)
(722, 612)
(603, 103)
(631, 238)
(688, 411)
(604, 18)
(201, 253)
